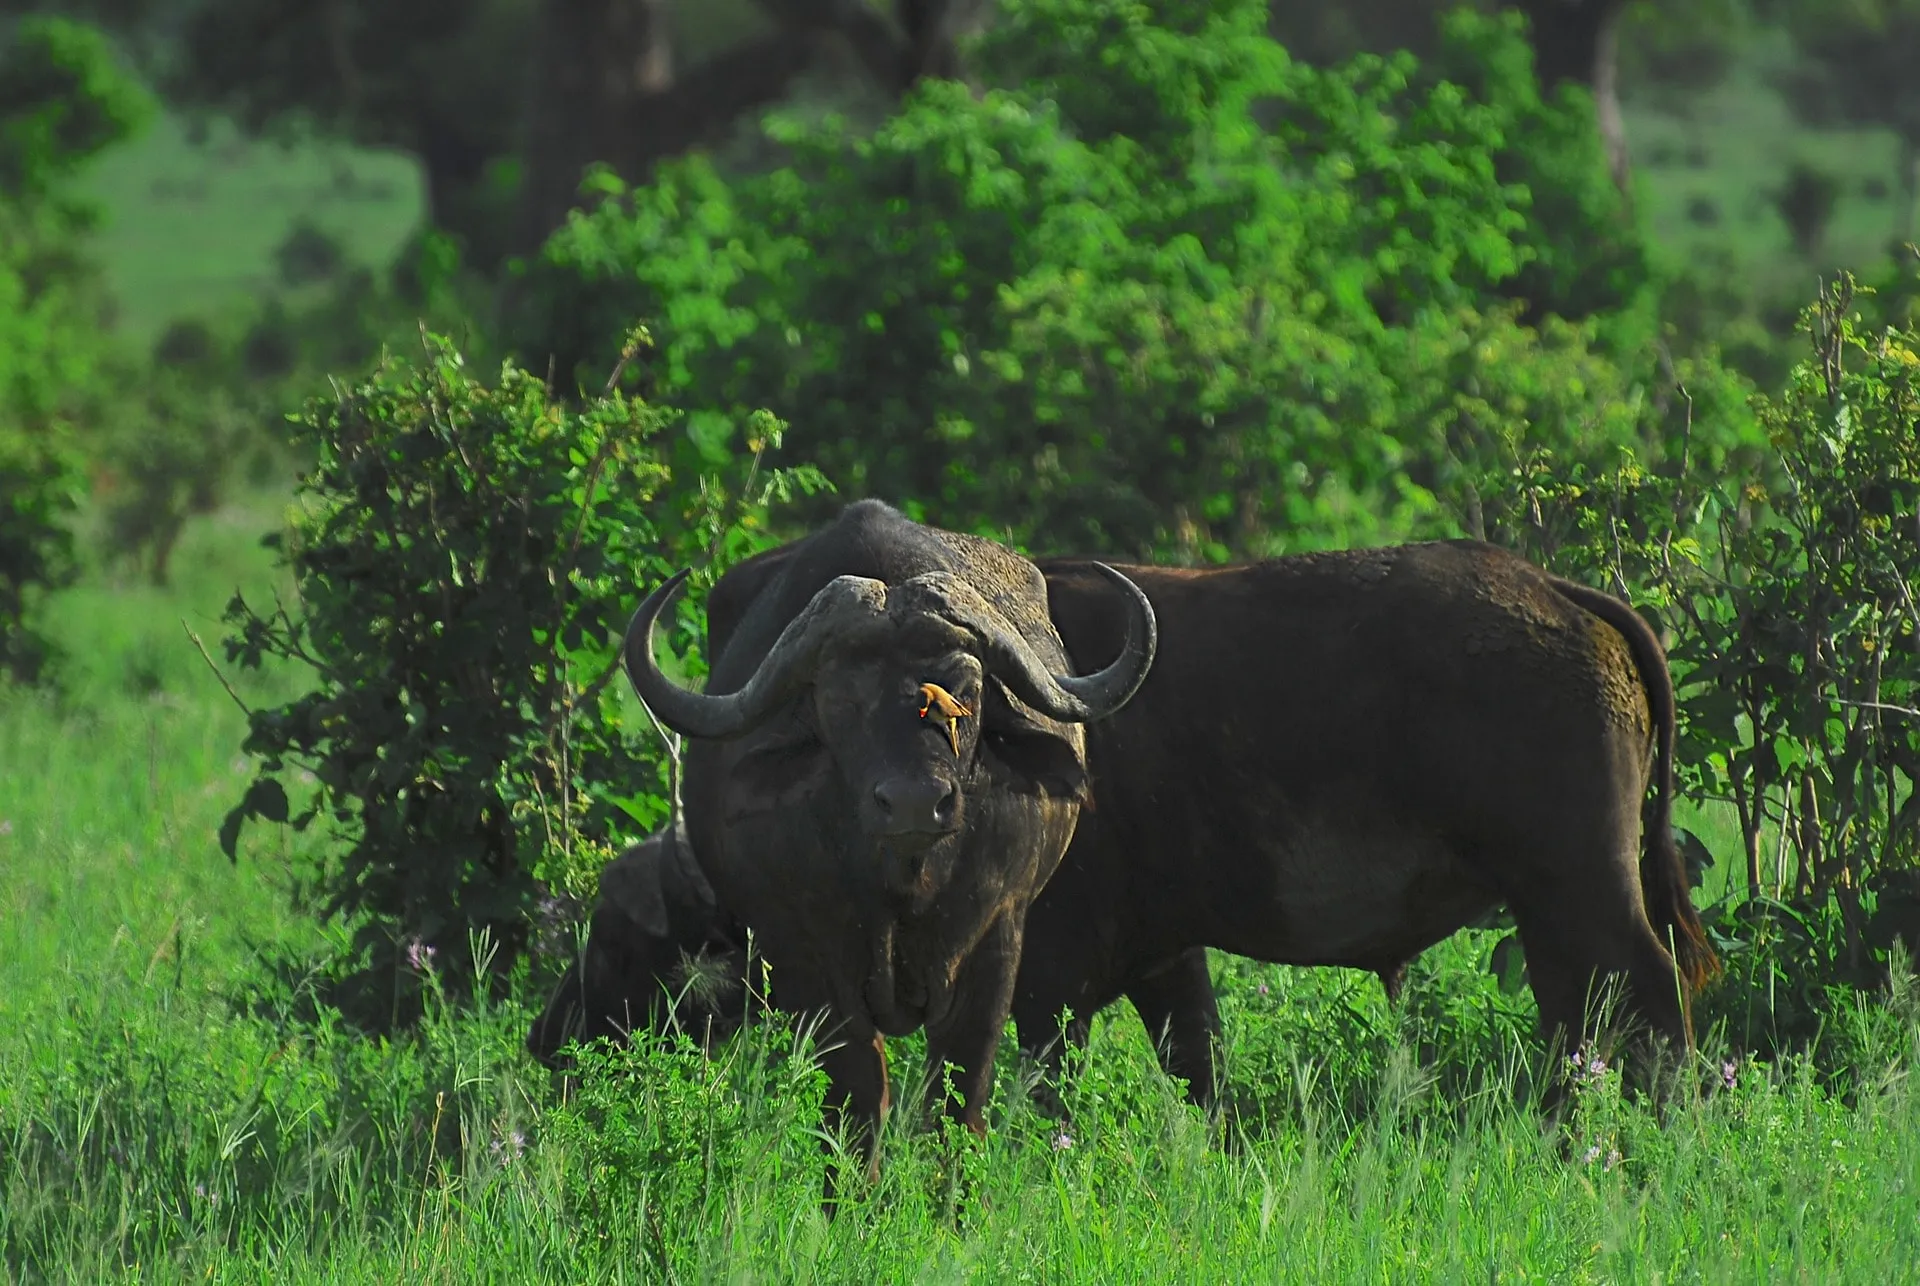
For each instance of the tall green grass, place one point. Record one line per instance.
(171, 1108)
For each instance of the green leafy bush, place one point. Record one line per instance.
(1792, 587)
(465, 557)
(37, 486)
(1164, 291)
(62, 100)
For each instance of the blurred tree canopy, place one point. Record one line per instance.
(1163, 291)
(62, 100)
(1574, 41)
(506, 102)
(1858, 68)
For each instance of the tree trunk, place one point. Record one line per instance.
(1606, 99)
(607, 90)
(1909, 199)
(454, 170)
(932, 28)
(598, 61)
(1578, 40)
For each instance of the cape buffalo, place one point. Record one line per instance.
(660, 952)
(1486, 671)
(886, 859)
(1342, 758)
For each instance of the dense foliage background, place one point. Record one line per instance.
(485, 317)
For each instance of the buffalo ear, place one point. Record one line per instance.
(778, 775)
(1039, 762)
(632, 885)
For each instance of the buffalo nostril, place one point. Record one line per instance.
(909, 804)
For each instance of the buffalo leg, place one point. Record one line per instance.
(969, 1034)
(1182, 1017)
(1045, 1042)
(1570, 958)
(1062, 968)
(1393, 977)
(857, 1094)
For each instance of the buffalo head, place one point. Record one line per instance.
(900, 698)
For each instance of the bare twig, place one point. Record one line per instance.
(1619, 555)
(1909, 711)
(205, 656)
(586, 501)
(1686, 454)
(672, 742)
(1906, 596)
(637, 339)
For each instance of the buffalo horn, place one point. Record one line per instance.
(1011, 657)
(786, 666)
(1093, 696)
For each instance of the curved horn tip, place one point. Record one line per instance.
(653, 605)
(1150, 644)
(1103, 693)
(666, 589)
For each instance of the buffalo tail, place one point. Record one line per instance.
(1663, 873)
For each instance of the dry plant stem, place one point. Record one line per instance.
(204, 656)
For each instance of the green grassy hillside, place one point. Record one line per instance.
(192, 222)
(1707, 170)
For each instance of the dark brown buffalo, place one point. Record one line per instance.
(660, 953)
(885, 866)
(1342, 758)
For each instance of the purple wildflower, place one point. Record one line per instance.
(1062, 1141)
(1263, 988)
(1729, 1073)
(420, 955)
(1593, 1154)
(508, 1149)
